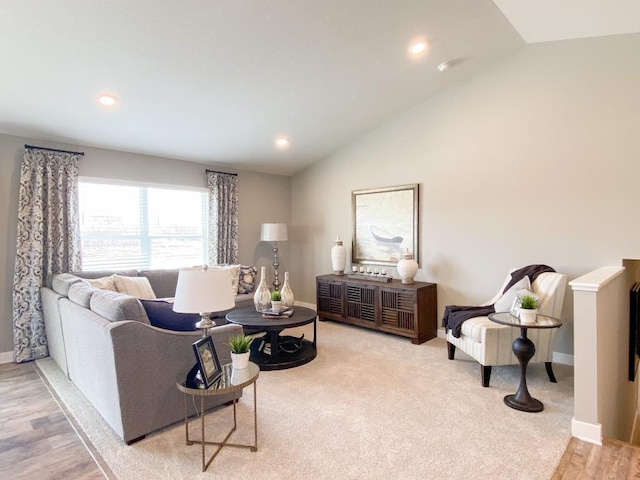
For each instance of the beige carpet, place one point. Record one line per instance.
(369, 406)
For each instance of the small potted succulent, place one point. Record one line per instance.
(528, 309)
(276, 301)
(240, 352)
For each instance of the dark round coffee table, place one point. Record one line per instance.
(274, 351)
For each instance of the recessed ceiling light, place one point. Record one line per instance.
(282, 142)
(107, 100)
(418, 47)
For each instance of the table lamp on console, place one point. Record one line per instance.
(274, 232)
(204, 291)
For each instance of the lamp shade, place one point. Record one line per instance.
(273, 232)
(203, 291)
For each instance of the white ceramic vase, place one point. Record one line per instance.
(286, 293)
(276, 305)
(240, 375)
(407, 268)
(338, 257)
(528, 315)
(240, 361)
(262, 297)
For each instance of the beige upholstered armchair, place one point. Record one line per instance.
(490, 343)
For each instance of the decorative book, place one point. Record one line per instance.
(280, 314)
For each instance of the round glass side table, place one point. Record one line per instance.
(230, 381)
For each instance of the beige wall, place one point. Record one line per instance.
(536, 159)
(263, 198)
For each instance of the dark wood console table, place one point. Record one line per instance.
(407, 310)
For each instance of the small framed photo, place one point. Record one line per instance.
(207, 360)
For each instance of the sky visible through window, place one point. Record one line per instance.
(125, 226)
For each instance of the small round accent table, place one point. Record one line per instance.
(524, 350)
(231, 381)
(269, 352)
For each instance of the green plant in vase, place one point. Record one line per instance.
(240, 353)
(528, 302)
(276, 301)
(240, 344)
(528, 309)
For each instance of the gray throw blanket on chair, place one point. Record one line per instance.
(456, 315)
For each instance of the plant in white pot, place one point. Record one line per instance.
(276, 301)
(240, 352)
(528, 309)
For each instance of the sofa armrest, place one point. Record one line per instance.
(147, 362)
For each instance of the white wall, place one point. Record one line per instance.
(263, 198)
(535, 160)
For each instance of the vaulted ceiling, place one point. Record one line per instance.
(218, 81)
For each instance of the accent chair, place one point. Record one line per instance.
(490, 343)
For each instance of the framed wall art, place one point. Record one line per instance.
(385, 223)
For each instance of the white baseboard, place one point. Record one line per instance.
(6, 357)
(587, 431)
(312, 306)
(563, 358)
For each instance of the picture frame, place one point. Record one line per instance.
(385, 223)
(207, 360)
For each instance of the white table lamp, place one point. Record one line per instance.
(203, 290)
(274, 232)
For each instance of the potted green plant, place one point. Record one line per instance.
(528, 309)
(240, 352)
(276, 301)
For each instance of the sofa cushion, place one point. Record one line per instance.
(161, 315)
(81, 292)
(116, 306)
(163, 282)
(246, 279)
(60, 283)
(138, 287)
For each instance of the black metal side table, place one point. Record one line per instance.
(524, 350)
(231, 381)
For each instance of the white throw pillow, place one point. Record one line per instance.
(505, 302)
(104, 283)
(138, 287)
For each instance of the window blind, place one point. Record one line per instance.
(141, 227)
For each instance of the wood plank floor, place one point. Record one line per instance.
(38, 441)
(36, 438)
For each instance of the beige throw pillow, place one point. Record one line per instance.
(235, 278)
(138, 287)
(104, 283)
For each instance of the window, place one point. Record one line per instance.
(130, 226)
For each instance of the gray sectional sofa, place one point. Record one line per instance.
(105, 343)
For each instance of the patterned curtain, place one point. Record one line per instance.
(48, 240)
(223, 217)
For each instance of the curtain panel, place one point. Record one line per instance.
(223, 217)
(48, 240)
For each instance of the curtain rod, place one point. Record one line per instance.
(54, 150)
(225, 173)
